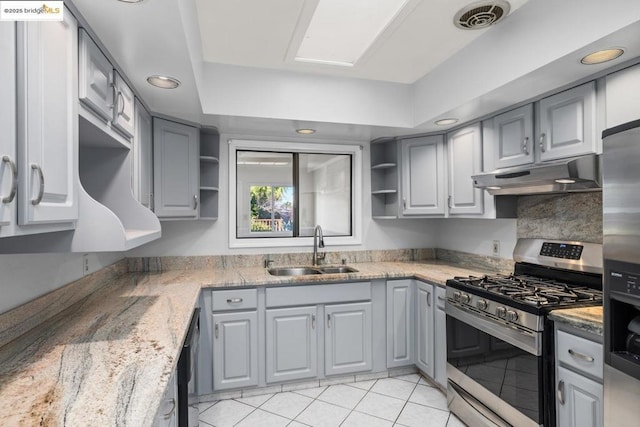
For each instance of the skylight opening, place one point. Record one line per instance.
(340, 32)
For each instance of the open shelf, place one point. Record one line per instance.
(384, 166)
(384, 178)
(210, 159)
(209, 173)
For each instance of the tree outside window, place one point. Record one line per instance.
(271, 208)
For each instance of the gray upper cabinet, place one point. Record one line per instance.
(235, 350)
(143, 157)
(568, 123)
(124, 111)
(8, 149)
(47, 120)
(514, 137)
(620, 107)
(424, 328)
(96, 86)
(423, 189)
(464, 148)
(348, 338)
(176, 169)
(399, 323)
(291, 340)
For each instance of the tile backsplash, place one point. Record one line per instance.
(574, 216)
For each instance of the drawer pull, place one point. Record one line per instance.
(581, 356)
(234, 300)
(561, 392)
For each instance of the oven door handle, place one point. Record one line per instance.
(530, 342)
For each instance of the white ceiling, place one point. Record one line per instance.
(233, 58)
(266, 34)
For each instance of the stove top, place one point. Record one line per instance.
(534, 291)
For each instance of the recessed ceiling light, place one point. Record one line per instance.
(601, 56)
(163, 82)
(445, 122)
(565, 181)
(306, 131)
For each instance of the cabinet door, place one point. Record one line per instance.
(440, 339)
(143, 158)
(235, 350)
(568, 123)
(620, 107)
(399, 323)
(579, 400)
(175, 166)
(514, 137)
(8, 167)
(464, 149)
(95, 78)
(48, 121)
(348, 338)
(168, 411)
(124, 112)
(424, 333)
(291, 344)
(423, 176)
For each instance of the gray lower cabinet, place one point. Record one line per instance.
(348, 338)
(235, 350)
(399, 323)
(424, 328)
(440, 339)
(167, 415)
(291, 344)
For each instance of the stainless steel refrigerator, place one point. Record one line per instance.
(621, 240)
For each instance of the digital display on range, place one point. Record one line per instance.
(561, 250)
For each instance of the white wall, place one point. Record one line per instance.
(28, 276)
(477, 235)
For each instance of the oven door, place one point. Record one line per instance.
(493, 378)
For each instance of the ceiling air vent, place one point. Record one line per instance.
(482, 14)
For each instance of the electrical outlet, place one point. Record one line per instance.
(85, 264)
(496, 247)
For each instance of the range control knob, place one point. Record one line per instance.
(501, 312)
(512, 315)
(465, 298)
(456, 296)
(482, 304)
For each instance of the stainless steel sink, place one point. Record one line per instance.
(304, 271)
(293, 271)
(337, 269)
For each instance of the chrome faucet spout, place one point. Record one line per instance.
(318, 242)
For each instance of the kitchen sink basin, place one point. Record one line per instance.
(337, 269)
(293, 271)
(304, 271)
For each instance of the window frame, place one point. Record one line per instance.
(300, 147)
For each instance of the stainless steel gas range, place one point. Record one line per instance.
(500, 350)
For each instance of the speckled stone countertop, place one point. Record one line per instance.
(588, 319)
(107, 359)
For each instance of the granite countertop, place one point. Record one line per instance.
(588, 319)
(107, 359)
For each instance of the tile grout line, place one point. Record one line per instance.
(361, 399)
(405, 403)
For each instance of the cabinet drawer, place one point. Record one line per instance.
(580, 353)
(234, 299)
(318, 294)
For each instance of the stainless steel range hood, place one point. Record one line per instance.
(576, 174)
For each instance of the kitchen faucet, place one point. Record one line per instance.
(318, 242)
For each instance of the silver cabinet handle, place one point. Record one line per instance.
(441, 298)
(234, 300)
(195, 201)
(313, 321)
(542, 149)
(449, 202)
(173, 408)
(525, 145)
(216, 330)
(120, 110)
(328, 320)
(38, 198)
(581, 356)
(428, 299)
(404, 203)
(14, 179)
(561, 392)
(114, 96)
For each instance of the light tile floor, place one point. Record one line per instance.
(406, 400)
